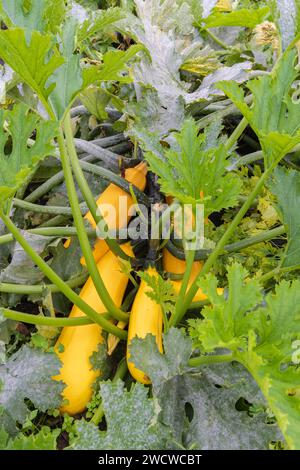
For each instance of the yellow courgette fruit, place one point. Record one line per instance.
(174, 265)
(111, 196)
(79, 343)
(145, 318)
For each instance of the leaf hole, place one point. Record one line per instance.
(189, 411)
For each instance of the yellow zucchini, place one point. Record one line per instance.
(145, 318)
(111, 196)
(174, 265)
(79, 343)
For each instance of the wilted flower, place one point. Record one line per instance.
(266, 34)
(224, 5)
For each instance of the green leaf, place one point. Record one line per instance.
(248, 18)
(194, 174)
(275, 110)
(285, 185)
(29, 17)
(161, 291)
(99, 21)
(31, 58)
(262, 337)
(45, 439)
(20, 124)
(27, 374)
(115, 65)
(68, 77)
(95, 99)
(212, 421)
(153, 114)
(21, 269)
(144, 354)
(54, 15)
(132, 422)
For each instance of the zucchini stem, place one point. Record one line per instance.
(85, 190)
(116, 312)
(211, 359)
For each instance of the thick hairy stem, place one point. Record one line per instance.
(83, 238)
(203, 360)
(85, 190)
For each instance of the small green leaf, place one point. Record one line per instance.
(45, 439)
(115, 65)
(275, 111)
(31, 58)
(248, 18)
(161, 291)
(99, 21)
(20, 124)
(54, 15)
(68, 77)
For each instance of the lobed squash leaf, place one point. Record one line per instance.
(27, 374)
(200, 406)
(19, 125)
(193, 173)
(132, 422)
(275, 110)
(263, 335)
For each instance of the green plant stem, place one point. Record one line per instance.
(85, 190)
(22, 289)
(62, 286)
(44, 188)
(221, 245)
(58, 220)
(109, 305)
(41, 209)
(199, 304)
(119, 375)
(216, 39)
(62, 232)
(233, 247)
(203, 360)
(45, 321)
(221, 114)
(256, 239)
(231, 141)
(247, 159)
(190, 256)
(278, 272)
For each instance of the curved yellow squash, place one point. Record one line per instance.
(145, 318)
(174, 265)
(111, 196)
(81, 342)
